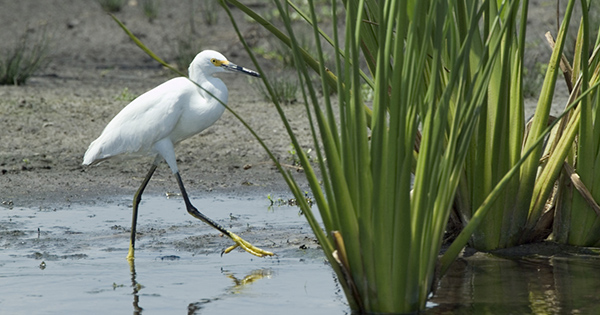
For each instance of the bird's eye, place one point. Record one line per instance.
(214, 61)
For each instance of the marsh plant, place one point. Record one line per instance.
(210, 11)
(29, 55)
(577, 213)
(447, 82)
(285, 89)
(112, 5)
(293, 155)
(126, 95)
(305, 40)
(187, 48)
(151, 8)
(382, 240)
(533, 203)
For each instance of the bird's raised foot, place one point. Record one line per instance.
(246, 246)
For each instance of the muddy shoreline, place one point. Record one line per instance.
(48, 123)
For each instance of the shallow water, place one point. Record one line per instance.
(75, 263)
(485, 284)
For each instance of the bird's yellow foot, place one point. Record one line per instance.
(246, 246)
(130, 254)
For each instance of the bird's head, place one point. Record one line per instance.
(210, 62)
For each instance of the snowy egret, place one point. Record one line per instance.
(159, 119)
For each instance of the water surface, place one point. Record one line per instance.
(76, 263)
(71, 260)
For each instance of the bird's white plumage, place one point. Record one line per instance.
(162, 117)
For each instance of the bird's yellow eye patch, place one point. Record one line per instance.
(218, 62)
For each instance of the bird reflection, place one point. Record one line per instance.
(254, 275)
(137, 309)
(238, 286)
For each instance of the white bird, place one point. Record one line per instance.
(159, 119)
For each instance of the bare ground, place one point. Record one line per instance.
(47, 124)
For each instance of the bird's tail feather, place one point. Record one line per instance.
(91, 155)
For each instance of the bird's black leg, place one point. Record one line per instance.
(136, 201)
(198, 215)
(194, 212)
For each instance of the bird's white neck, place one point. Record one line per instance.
(210, 84)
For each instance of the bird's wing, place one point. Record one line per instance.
(146, 120)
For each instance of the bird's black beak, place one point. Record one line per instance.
(235, 68)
